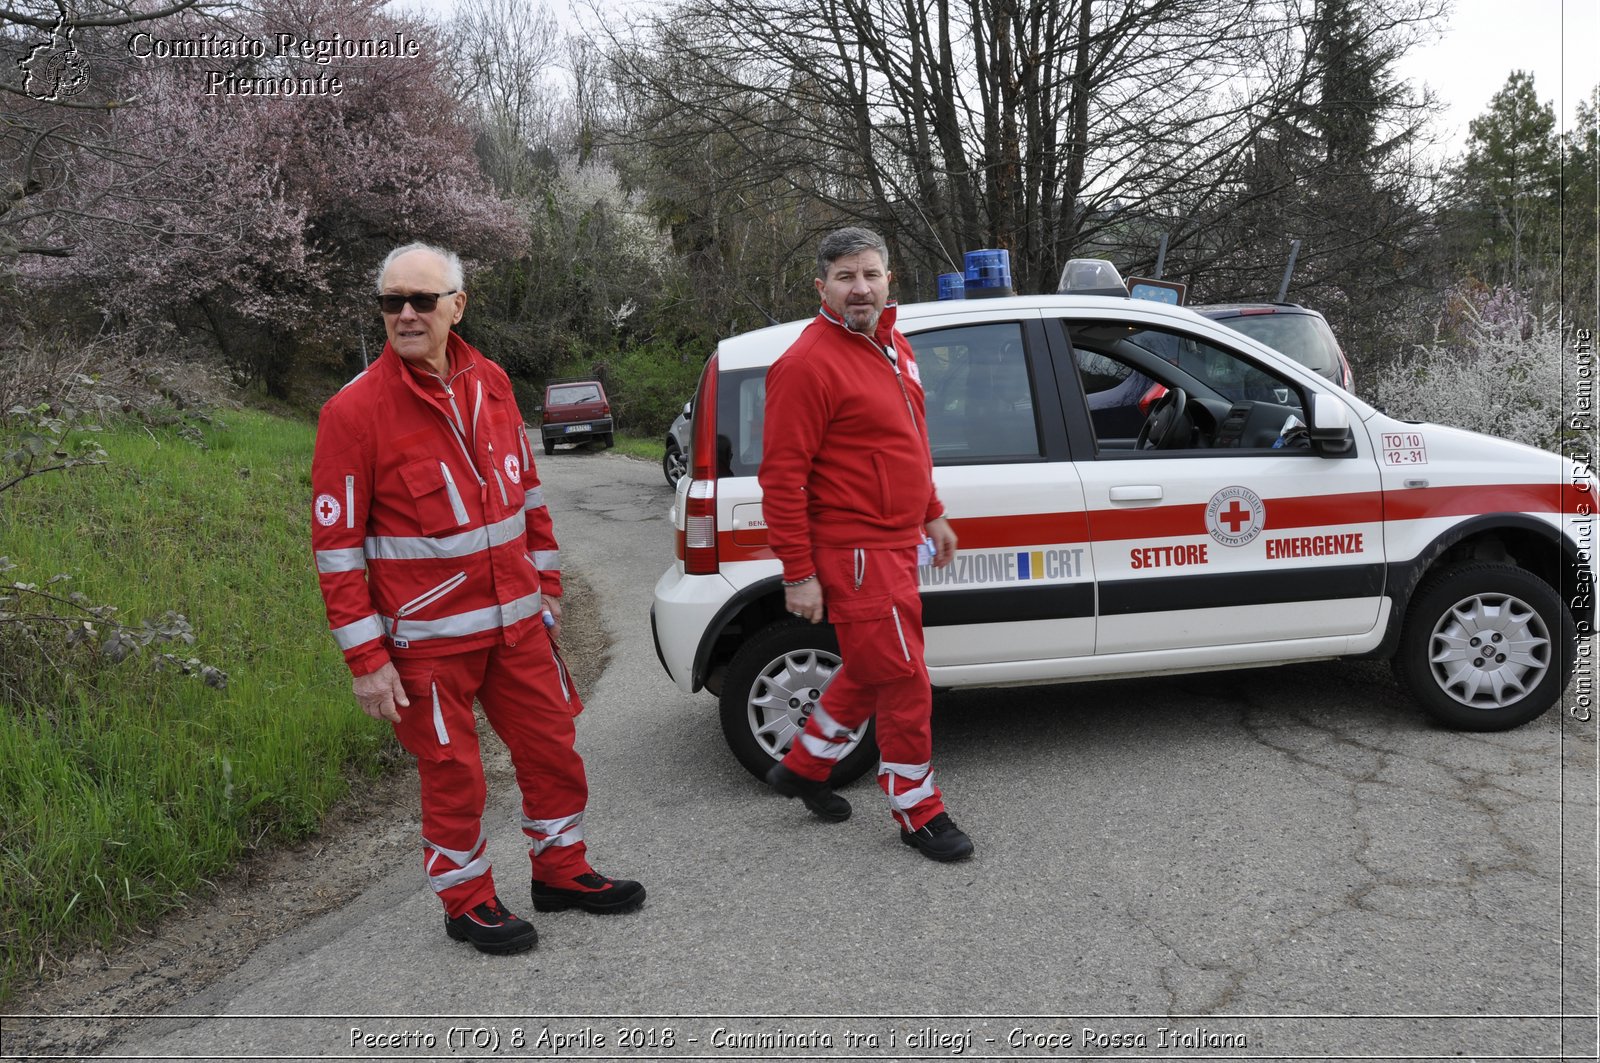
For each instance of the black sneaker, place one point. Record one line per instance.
(817, 796)
(491, 928)
(594, 893)
(939, 839)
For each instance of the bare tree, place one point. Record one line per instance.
(956, 124)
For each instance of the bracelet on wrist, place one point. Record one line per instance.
(798, 582)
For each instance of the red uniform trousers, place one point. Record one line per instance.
(873, 604)
(530, 702)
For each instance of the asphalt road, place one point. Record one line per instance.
(1289, 862)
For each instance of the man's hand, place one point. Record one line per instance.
(804, 601)
(944, 541)
(553, 607)
(379, 692)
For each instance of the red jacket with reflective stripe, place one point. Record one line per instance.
(845, 459)
(428, 523)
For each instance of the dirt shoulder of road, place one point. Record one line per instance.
(366, 836)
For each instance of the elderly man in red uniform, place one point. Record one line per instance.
(847, 494)
(440, 572)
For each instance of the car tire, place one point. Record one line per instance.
(673, 465)
(549, 447)
(608, 441)
(766, 697)
(1470, 685)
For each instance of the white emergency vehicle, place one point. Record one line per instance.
(1138, 490)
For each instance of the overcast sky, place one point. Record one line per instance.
(1558, 41)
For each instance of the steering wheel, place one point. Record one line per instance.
(1160, 428)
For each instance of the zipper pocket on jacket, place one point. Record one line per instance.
(861, 568)
(456, 505)
(505, 499)
(349, 501)
(427, 598)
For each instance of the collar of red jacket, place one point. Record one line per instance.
(461, 355)
(885, 331)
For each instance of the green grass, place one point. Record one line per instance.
(651, 447)
(126, 786)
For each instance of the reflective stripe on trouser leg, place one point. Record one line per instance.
(451, 867)
(911, 791)
(565, 830)
(524, 702)
(824, 737)
(438, 729)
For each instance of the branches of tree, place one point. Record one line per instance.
(1040, 128)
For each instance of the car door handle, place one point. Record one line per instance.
(1139, 493)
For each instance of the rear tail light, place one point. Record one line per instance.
(700, 503)
(1151, 397)
(700, 529)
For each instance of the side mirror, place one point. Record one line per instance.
(1330, 425)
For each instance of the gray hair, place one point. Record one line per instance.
(851, 241)
(452, 263)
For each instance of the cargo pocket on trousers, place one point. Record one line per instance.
(871, 637)
(421, 730)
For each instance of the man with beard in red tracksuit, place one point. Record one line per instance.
(847, 494)
(439, 568)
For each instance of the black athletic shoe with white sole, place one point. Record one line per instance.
(491, 928)
(939, 839)
(817, 796)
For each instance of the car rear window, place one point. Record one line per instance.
(1302, 337)
(571, 396)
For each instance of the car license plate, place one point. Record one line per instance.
(579, 428)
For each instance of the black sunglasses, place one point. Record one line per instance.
(421, 302)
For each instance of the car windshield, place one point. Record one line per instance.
(1302, 337)
(573, 395)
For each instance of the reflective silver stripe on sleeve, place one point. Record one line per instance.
(351, 559)
(364, 630)
(489, 618)
(469, 866)
(349, 501)
(534, 498)
(463, 544)
(565, 830)
(456, 505)
(547, 560)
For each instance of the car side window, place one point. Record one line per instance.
(1231, 401)
(979, 392)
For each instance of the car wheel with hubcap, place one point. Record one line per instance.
(673, 464)
(1486, 646)
(772, 686)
